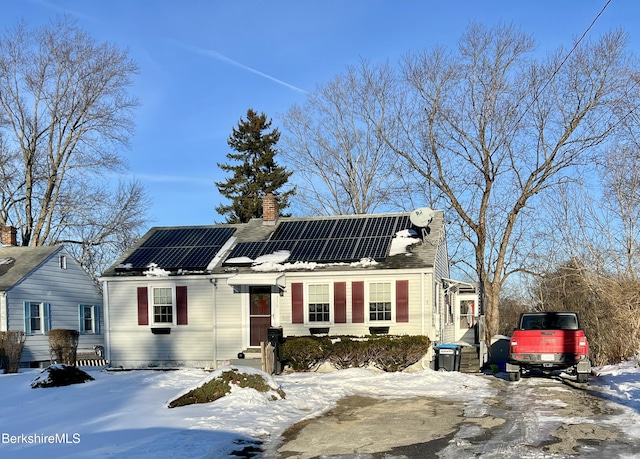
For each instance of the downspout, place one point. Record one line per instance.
(214, 288)
(4, 312)
(107, 328)
(422, 300)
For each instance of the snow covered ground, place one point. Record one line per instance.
(125, 414)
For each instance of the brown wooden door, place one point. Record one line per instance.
(259, 314)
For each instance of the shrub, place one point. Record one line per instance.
(219, 387)
(11, 344)
(349, 353)
(304, 352)
(388, 353)
(397, 353)
(60, 375)
(64, 345)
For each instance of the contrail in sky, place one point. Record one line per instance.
(223, 58)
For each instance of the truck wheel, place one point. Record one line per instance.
(582, 377)
(514, 376)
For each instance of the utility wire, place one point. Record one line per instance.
(566, 58)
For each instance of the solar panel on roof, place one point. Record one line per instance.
(349, 227)
(381, 226)
(329, 240)
(199, 256)
(142, 257)
(317, 229)
(307, 250)
(248, 249)
(180, 248)
(372, 247)
(215, 236)
(338, 250)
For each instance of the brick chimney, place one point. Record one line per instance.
(9, 236)
(269, 209)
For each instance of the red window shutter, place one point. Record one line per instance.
(402, 301)
(143, 306)
(357, 302)
(297, 303)
(181, 304)
(340, 302)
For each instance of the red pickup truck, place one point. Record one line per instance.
(549, 341)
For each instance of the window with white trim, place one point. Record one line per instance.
(36, 318)
(319, 304)
(380, 301)
(89, 321)
(162, 305)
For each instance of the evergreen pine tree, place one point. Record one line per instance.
(255, 172)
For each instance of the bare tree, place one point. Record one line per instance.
(342, 166)
(493, 130)
(65, 113)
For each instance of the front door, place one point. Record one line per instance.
(259, 314)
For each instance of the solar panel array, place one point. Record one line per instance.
(190, 249)
(328, 240)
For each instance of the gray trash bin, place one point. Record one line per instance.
(448, 357)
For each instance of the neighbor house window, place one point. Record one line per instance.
(62, 260)
(380, 301)
(89, 321)
(163, 305)
(319, 303)
(36, 318)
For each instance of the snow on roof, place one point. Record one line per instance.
(403, 239)
(155, 271)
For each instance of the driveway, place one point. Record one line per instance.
(535, 417)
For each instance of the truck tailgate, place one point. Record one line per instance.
(548, 342)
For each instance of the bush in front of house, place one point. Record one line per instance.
(64, 345)
(386, 352)
(11, 344)
(220, 386)
(347, 352)
(397, 353)
(302, 353)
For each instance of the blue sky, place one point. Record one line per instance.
(203, 63)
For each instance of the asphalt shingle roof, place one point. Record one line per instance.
(17, 262)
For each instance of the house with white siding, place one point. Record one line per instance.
(199, 296)
(43, 288)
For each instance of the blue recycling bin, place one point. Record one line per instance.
(448, 357)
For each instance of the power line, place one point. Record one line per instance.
(566, 58)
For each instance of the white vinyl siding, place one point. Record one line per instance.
(417, 292)
(133, 346)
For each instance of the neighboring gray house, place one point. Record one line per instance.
(198, 296)
(42, 288)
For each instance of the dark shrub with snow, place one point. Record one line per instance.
(60, 375)
(221, 382)
(11, 343)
